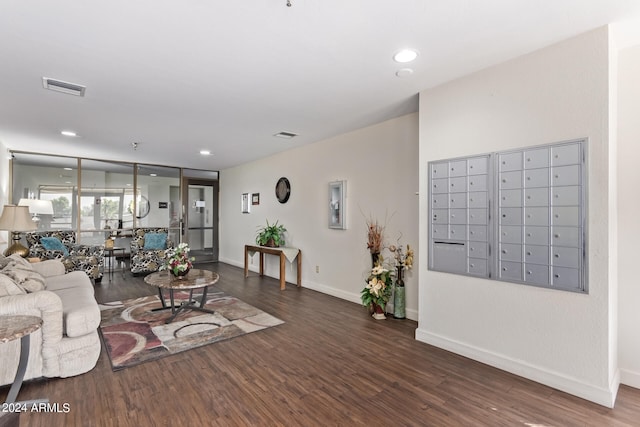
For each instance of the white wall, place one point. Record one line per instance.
(4, 190)
(380, 165)
(628, 208)
(558, 338)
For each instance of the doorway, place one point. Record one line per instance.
(200, 219)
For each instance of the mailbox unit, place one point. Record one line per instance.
(516, 216)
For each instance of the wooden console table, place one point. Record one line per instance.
(283, 252)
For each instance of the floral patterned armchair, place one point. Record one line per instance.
(87, 258)
(147, 254)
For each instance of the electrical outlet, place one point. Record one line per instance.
(317, 269)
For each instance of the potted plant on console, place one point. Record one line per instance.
(271, 235)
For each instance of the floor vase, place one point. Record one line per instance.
(378, 312)
(399, 296)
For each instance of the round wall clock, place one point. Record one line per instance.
(283, 190)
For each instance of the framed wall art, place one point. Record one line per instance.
(337, 205)
(245, 203)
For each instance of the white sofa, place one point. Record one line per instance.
(68, 343)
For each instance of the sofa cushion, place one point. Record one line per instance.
(24, 276)
(80, 313)
(71, 280)
(9, 287)
(155, 241)
(49, 268)
(54, 244)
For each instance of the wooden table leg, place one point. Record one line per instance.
(282, 271)
(299, 269)
(261, 264)
(246, 262)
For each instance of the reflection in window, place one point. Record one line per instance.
(107, 204)
(158, 197)
(61, 199)
(107, 189)
(53, 179)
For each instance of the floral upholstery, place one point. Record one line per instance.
(147, 261)
(87, 258)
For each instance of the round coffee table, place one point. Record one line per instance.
(12, 328)
(195, 279)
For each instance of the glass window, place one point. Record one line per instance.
(106, 198)
(48, 185)
(158, 198)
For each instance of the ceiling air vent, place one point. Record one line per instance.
(64, 87)
(286, 135)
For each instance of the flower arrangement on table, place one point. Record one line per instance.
(377, 290)
(178, 261)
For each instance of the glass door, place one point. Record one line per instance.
(200, 215)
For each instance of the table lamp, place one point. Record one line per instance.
(16, 219)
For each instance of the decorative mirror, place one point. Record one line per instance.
(143, 207)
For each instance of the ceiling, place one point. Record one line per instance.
(179, 76)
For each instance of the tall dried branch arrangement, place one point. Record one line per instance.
(375, 236)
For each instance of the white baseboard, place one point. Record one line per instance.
(630, 378)
(335, 292)
(599, 395)
(234, 263)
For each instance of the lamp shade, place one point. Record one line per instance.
(16, 218)
(37, 206)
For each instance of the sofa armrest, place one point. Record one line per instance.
(48, 268)
(44, 304)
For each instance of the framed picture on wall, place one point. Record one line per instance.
(337, 205)
(245, 203)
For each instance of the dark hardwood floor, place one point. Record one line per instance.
(329, 364)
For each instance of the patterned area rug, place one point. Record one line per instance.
(133, 334)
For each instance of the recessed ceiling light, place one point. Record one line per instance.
(68, 133)
(68, 169)
(405, 55)
(205, 152)
(286, 135)
(153, 174)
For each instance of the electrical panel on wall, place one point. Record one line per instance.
(516, 216)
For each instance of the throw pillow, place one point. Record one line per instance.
(54, 244)
(24, 276)
(155, 241)
(8, 287)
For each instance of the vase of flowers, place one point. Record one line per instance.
(377, 291)
(375, 240)
(178, 261)
(403, 260)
